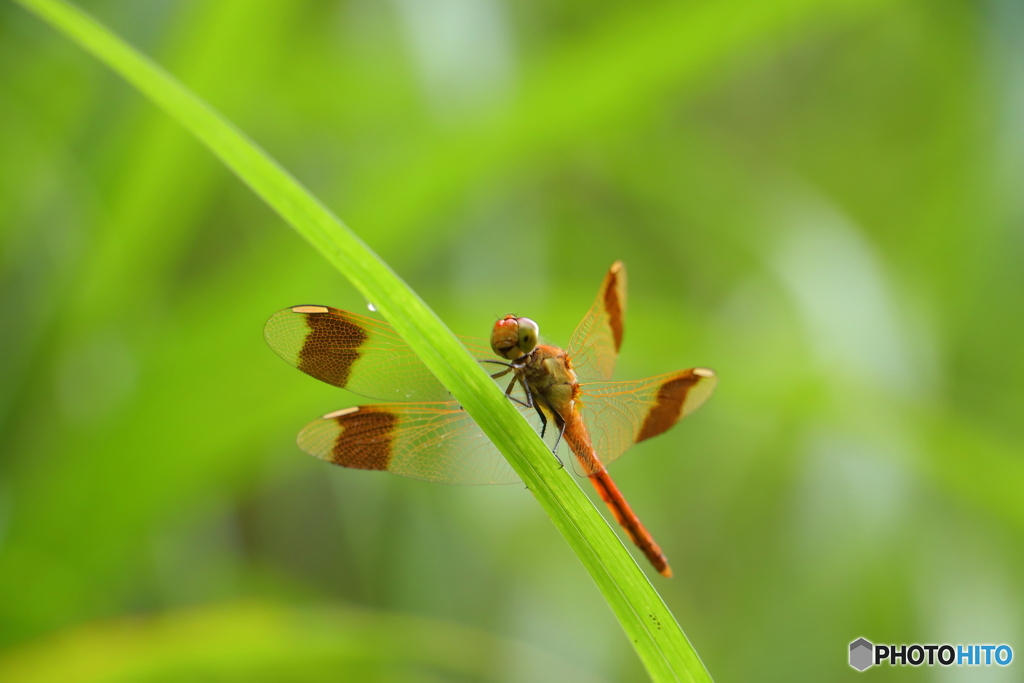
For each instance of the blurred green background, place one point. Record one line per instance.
(821, 200)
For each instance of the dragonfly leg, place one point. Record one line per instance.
(496, 362)
(501, 373)
(558, 440)
(509, 396)
(543, 420)
(544, 427)
(508, 392)
(526, 390)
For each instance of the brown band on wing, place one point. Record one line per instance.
(668, 405)
(331, 347)
(364, 439)
(613, 305)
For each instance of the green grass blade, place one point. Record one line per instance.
(648, 623)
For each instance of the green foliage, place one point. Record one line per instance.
(244, 642)
(817, 199)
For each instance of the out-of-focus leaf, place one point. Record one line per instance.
(261, 642)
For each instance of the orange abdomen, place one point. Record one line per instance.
(579, 441)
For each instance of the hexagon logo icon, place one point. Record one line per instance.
(861, 652)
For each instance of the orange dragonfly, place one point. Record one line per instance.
(426, 435)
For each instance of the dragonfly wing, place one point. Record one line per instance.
(430, 441)
(620, 414)
(357, 353)
(596, 342)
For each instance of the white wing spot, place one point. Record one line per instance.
(341, 413)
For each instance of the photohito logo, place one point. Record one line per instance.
(863, 654)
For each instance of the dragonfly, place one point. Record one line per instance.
(566, 395)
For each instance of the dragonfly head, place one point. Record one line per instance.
(514, 337)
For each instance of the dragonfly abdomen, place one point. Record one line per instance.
(628, 520)
(579, 441)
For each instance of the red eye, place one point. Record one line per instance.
(505, 338)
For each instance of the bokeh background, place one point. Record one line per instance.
(819, 199)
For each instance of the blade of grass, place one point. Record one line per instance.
(657, 638)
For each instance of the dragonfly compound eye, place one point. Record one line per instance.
(505, 338)
(528, 335)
